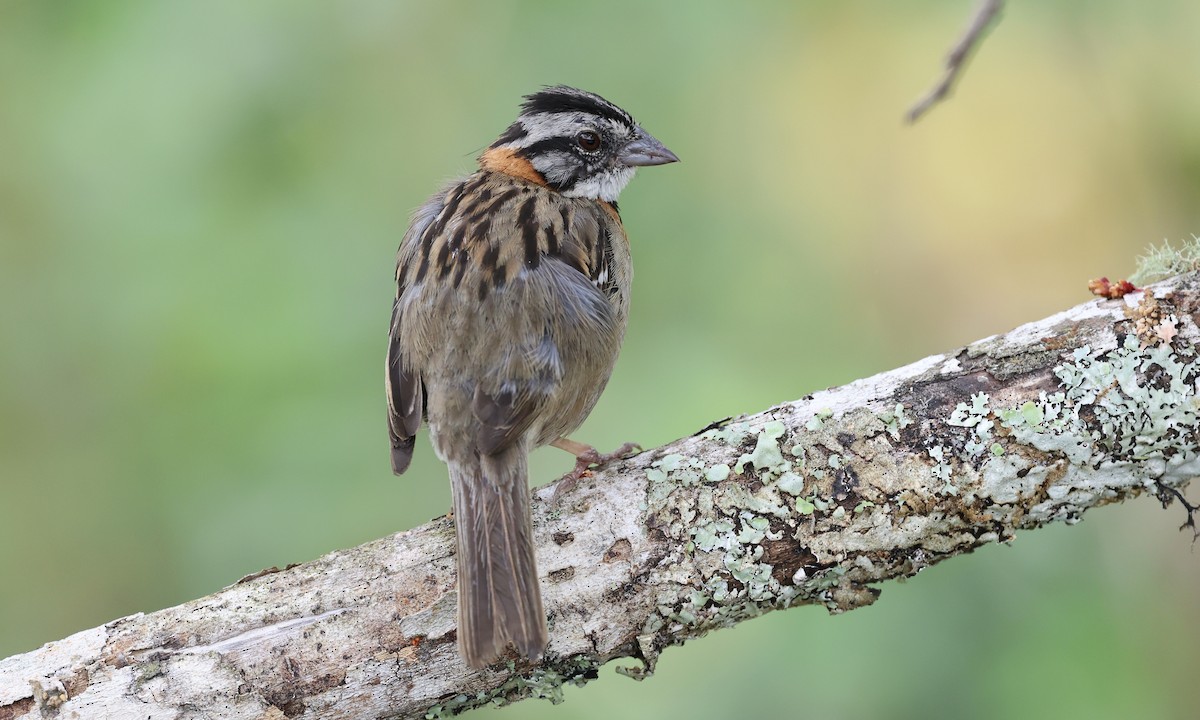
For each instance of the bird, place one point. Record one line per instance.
(512, 299)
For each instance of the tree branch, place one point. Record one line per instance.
(813, 501)
(956, 60)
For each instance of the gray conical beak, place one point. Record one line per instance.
(645, 150)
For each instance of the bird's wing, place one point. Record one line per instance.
(405, 393)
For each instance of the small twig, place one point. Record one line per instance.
(1189, 508)
(955, 61)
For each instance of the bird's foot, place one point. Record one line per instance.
(587, 456)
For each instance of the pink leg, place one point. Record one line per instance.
(585, 457)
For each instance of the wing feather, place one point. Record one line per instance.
(405, 390)
(405, 399)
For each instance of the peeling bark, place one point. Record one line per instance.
(813, 501)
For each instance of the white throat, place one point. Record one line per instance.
(605, 186)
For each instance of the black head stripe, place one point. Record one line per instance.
(515, 132)
(549, 145)
(561, 99)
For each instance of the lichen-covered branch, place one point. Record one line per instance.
(813, 501)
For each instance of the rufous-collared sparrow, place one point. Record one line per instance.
(511, 304)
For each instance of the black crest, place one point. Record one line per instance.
(563, 99)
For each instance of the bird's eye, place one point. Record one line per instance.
(588, 140)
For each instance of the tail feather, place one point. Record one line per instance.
(499, 600)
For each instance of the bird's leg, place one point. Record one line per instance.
(585, 457)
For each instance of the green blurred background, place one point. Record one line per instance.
(199, 206)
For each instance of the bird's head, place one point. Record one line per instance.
(575, 142)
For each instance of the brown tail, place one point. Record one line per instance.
(498, 596)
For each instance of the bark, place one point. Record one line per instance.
(813, 501)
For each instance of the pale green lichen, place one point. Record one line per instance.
(453, 706)
(830, 579)
(895, 421)
(942, 471)
(1142, 404)
(715, 535)
(977, 417)
(671, 462)
(731, 434)
(1145, 399)
(716, 473)
(816, 421)
(544, 683)
(1167, 261)
(790, 483)
(741, 518)
(1122, 406)
(1133, 409)
(767, 456)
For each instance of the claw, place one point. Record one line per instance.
(585, 457)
